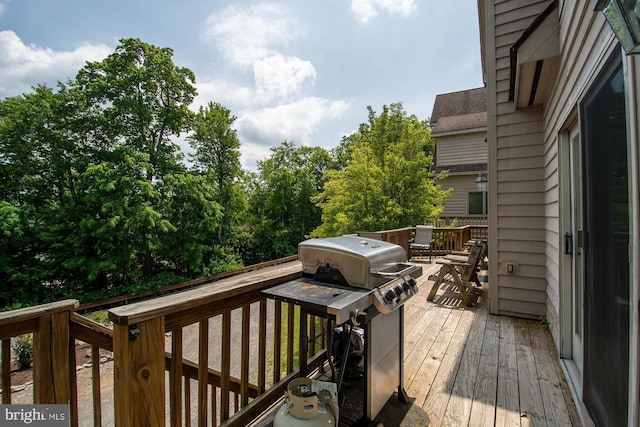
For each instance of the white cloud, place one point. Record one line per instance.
(225, 92)
(251, 39)
(251, 152)
(296, 122)
(282, 78)
(278, 106)
(247, 35)
(365, 10)
(22, 66)
(277, 79)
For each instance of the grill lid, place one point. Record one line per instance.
(362, 262)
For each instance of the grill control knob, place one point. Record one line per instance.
(390, 296)
(405, 286)
(412, 282)
(398, 290)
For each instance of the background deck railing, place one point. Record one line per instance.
(446, 239)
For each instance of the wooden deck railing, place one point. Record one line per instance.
(446, 239)
(446, 221)
(49, 325)
(56, 329)
(216, 354)
(195, 358)
(99, 337)
(228, 323)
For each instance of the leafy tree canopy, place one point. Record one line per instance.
(281, 202)
(385, 180)
(96, 199)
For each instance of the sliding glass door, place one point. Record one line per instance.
(606, 248)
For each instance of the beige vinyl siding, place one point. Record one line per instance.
(461, 149)
(524, 151)
(517, 170)
(458, 201)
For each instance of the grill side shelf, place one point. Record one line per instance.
(336, 301)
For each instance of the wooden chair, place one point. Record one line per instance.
(460, 271)
(422, 242)
(482, 265)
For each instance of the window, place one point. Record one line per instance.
(477, 203)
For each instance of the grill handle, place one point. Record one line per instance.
(404, 272)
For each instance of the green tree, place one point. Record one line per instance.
(92, 188)
(192, 208)
(37, 155)
(143, 99)
(217, 156)
(102, 233)
(384, 181)
(281, 200)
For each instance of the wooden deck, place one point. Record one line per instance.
(465, 367)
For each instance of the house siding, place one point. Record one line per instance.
(517, 171)
(524, 146)
(458, 202)
(462, 149)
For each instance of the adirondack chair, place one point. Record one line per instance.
(461, 272)
(422, 242)
(482, 265)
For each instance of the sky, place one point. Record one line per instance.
(304, 71)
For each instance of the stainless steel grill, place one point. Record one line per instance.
(358, 282)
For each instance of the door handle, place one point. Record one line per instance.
(568, 243)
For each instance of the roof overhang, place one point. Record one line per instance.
(535, 58)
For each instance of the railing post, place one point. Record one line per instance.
(459, 239)
(139, 383)
(466, 235)
(51, 378)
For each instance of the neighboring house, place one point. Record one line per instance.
(459, 126)
(563, 126)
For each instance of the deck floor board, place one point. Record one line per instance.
(466, 367)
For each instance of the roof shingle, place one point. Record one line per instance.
(466, 109)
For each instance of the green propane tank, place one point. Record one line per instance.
(308, 403)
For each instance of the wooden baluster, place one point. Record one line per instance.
(139, 376)
(203, 372)
(262, 346)
(6, 371)
(244, 358)
(95, 383)
(51, 345)
(312, 336)
(277, 340)
(303, 343)
(214, 406)
(320, 325)
(187, 402)
(225, 369)
(73, 384)
(175, 379)
(290, 337)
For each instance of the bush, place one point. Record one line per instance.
(23, 349)
(100, 316)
